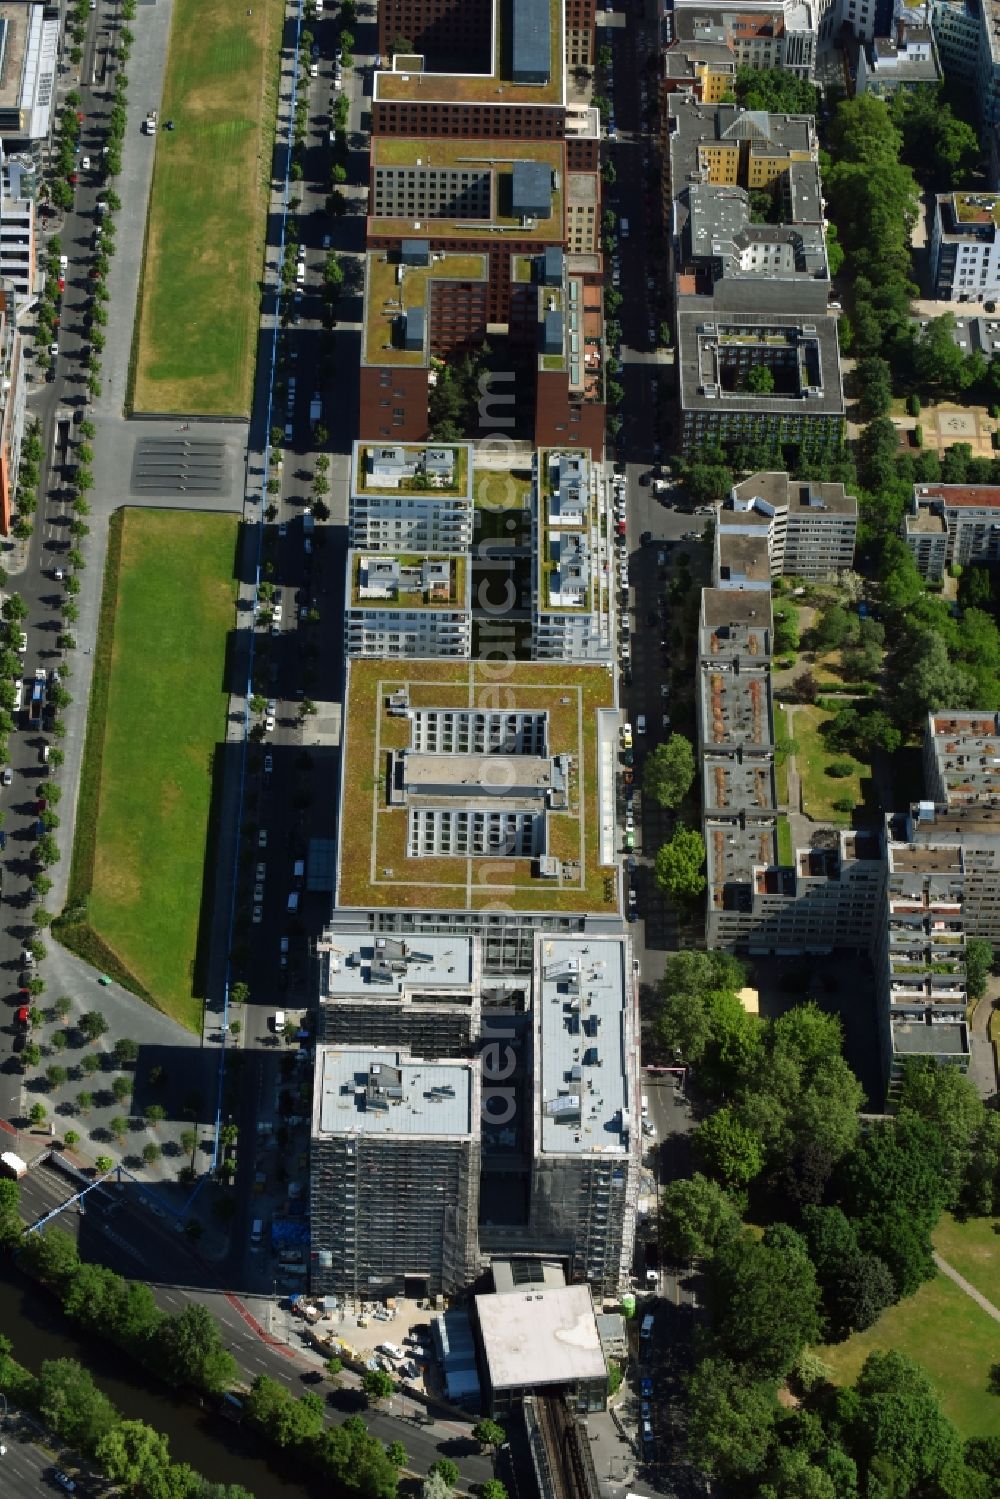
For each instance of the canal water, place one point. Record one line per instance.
(214, 1447)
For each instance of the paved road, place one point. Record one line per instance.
(25, 1466)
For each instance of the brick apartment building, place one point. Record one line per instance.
(484, 217)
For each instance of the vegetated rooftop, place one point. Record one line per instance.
(375, 869)
(387, 299)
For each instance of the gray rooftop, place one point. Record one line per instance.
(737, 783)
(693, 124)
(743, 557)
(942, 1038)
(531, 186)
(531, 41)
(540, 1337)
(581, 996)
(372, 1091)
(389, 967)
(966, 751)
(800, 349)
(719, 228)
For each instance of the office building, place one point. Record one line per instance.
(965, 247)
(809, 528)
(540, 1340)
(950, 525)
(920, 956)
(29, 53)
(572, 561)
(906, 59)
(955, 24)
(394, 1173)
(13, 399)
(414, 604)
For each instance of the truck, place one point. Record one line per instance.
(37, 699)
(150, 122)
(316, 408)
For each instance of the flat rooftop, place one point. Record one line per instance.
(409, 83)
(960, 496)
(916, 858)
(744, 557)
(373, 1091)
(389, 967)
(388, 298)
(945, 1038)
(582, 999)
(735, 783)
(540, 1337)
(716, 349)
(374, 867)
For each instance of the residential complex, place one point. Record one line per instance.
(757, 354)
(572, 558)
(415, 604)
(29, 49)
(762, 34)
(411, 497)
(18, 228)
(809, 529)
(952, 524)
(484, 217)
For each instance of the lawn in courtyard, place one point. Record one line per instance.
(200, 297)
(158, 713)
(813, 758)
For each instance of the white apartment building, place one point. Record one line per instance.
(949, 524)
(809, 528)
(762, 34)
(18, 186)
(571, 591)
(13, 399)
(411, 497)
(965, 247)
(417, 604)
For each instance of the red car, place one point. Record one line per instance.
(23, 1016)
(74, 178)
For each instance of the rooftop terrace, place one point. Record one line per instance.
(418, 580)
(389, 968)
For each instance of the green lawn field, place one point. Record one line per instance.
(199, 301)
(944, 1330)
(158, 711)
(813, 759)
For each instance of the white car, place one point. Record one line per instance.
(258, 915)
(85, 163)
(276, 610)
(7, 776)
(261, 871)
(262, 838)
(22, 644)
(269, 723)
(258, 891)
(64, 263)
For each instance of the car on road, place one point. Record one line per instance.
(268, 764)
(7, 776)
(646, 1388)
(262, 838)
(59, 1478)
(85, 163)
(258, 915)
(270, 723)
(22, 644)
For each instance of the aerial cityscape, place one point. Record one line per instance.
(500, 749)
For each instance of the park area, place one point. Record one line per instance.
(943, 1329)
(157, 715)
(196, 332)
(831, 778)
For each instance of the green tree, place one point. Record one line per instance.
(93, 1025)
(126, 1052)
(669, 771)
(377, 1385)
(680, 865)
(949, 1101)
(874, 379)
(979, 959)
(766, 1300)
(37, 1114)
(489, 1433)
(898, 1428)
(729, 1149)
(695, 1216)
(190, 1351)
(445, 1469)
(72, 1405)
(760, 380)
(133, 1453)
(731, 1420)
(493, 1489)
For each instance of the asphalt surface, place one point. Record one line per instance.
(26, 1468)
